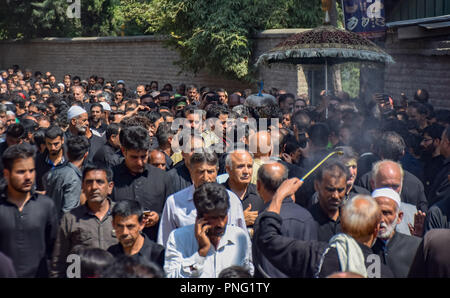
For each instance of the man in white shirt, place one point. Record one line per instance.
(210, 245)
(179, 209)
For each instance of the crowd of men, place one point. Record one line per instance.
(100, 175)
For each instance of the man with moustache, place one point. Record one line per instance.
(239, 166)
(330, 184)
(89, 225)
(28, 221)
(396, 250)
(128, 222)
(135, 179)
(179, 209)
(431, 158)
(208, 246)
(63, 184)
(52, 157)
(79, 126)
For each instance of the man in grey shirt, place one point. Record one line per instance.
(89, 225)
(63, 184)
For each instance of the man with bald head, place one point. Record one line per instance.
(239, 166)
(387, 173)
(157, 159)
(297, 221)
(261, 147)
(396, 250)
(391, 147)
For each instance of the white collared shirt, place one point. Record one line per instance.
(179, 211)
(182, 258)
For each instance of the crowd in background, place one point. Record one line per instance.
(96, 169)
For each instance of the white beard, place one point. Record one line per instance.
(389, 229)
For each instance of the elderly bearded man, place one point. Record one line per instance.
(396, 250)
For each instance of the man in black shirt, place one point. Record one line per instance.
(298, 258)
(396, 250)
(297, 221)
(96, 123)
(109, 155)
(431, 158)
(135, 179)
(52, 157)
(330, 184)
(440, 189)
(28, 221)
(239, 166)
(129, 221)
(14, 135)
(79, 125)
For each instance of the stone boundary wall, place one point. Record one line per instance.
(138, 59)
(420, 63)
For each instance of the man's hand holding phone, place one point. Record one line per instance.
(201, 230)
(151, 218)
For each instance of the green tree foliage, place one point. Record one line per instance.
(217, 35)
(48, 18)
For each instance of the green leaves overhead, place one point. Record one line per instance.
(209, 34)
(217, 35)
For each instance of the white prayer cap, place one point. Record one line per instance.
(75, 111)
(10, 113)
(106, 106)
(387, 193)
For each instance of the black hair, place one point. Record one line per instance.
(132, 267)
(125, 208)
(318, 134)
(153, 116)
(77, 146)
(96, 104)
(134, 138)
(163, 133)
(422, 97)
(291, 144)
(205, 156)
(434, 131)
(15, 152)
(391, 146)
(235, 272)
(93, 260)
(167, 87)
(29, 126)
(214, 111)
(269, 182)
(15, 130)
(16, 99)
(53, 132)
(98, 167)
(284, 97)
(113, 113)
(112, 129)
(333, 166)
(39, 137)
(211, 197)
(443, 116)
(420, 107)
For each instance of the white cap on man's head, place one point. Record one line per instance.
(106, 106)
(75, 111)
(387, 193)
